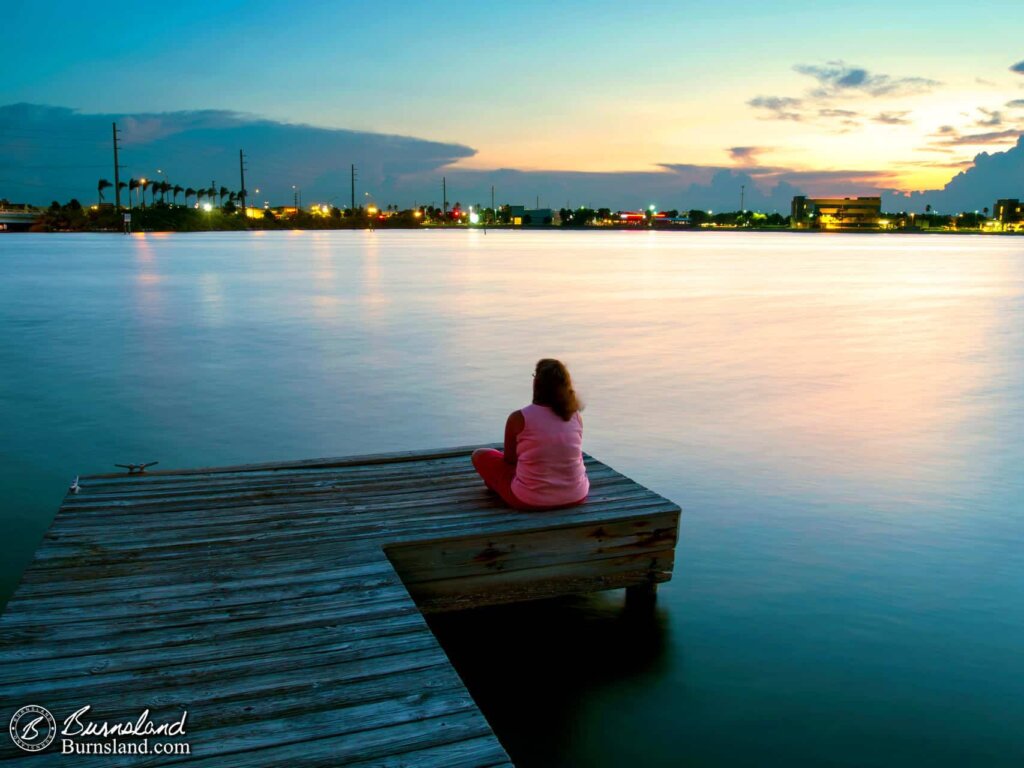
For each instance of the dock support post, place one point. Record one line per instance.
(642, 595)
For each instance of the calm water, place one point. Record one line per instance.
(839, 416)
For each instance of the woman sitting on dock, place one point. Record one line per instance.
(542, 464)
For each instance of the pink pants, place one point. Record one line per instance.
(498, 474)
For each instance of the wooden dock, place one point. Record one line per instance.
(280, 604)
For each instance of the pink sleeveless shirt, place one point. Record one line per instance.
(549, 469)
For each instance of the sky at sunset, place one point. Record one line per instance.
(893, 95)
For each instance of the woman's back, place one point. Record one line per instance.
(549, 467)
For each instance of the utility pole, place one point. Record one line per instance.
(444, 194)
(353, 187)
(241, 172)
(117, 173)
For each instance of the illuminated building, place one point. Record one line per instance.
(801, 212)
(836, 213)
(521, 216)
(1008, 211)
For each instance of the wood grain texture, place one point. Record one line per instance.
(281, 603)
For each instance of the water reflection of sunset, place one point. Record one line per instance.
(859, 359)
(147, 276)
(753, 353)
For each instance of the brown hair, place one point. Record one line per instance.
(552, 386)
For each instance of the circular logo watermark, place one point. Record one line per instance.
(33, 728)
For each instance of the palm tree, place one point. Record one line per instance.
(103, 184)
(200, 194)
(189, 192)
(122, 185)
(143, 183)
(211, 192)
(176, 190)
(133, 184)
(165, 187)
(231, 197)
(223, 193)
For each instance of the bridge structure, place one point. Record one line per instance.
(17, 220)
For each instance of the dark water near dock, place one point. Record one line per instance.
(840, 418)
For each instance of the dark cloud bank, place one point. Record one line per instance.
(48, 152)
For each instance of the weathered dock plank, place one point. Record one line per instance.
(281, 603)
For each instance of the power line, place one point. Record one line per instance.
(44, 135)
(51, 167)
(23, 183)
(31, 143)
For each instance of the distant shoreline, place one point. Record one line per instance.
(512, 228)
(162, 218)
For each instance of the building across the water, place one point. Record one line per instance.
(846, 213)
(521, 216)
(1009, 213)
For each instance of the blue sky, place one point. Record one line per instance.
(595, 86)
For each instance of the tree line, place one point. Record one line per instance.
(163, 188)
